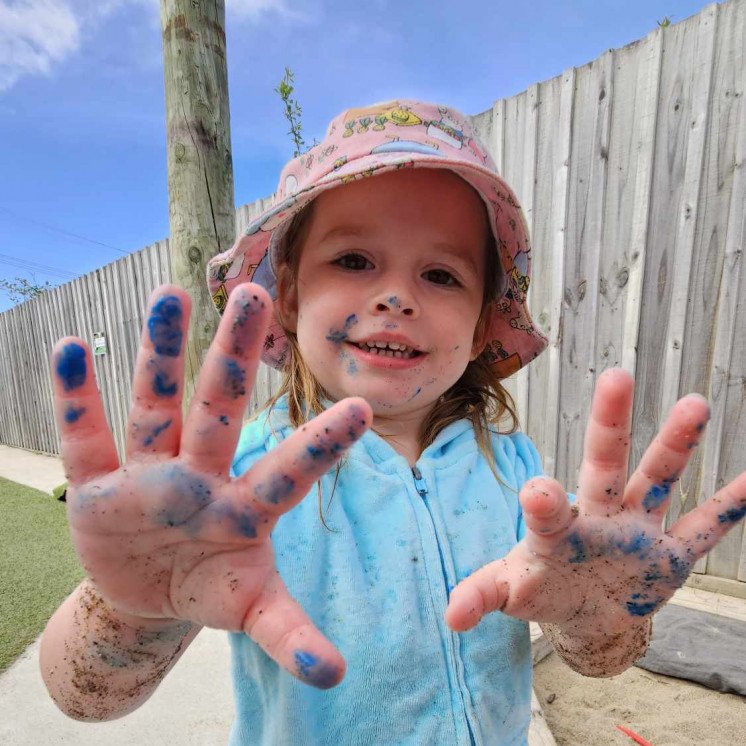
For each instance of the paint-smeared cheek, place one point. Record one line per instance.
(337, 336)
(71, 366)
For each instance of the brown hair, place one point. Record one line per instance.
(477, 396)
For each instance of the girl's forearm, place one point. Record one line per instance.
(99, 664)
(599, 656)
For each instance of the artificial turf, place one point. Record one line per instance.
(38, 566)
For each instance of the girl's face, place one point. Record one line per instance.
(397, 259)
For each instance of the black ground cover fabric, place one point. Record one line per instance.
(700, 647)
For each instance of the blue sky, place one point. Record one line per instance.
(82, 137)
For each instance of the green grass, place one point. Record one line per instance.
(38, 566)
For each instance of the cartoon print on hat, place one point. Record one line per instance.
(366, 141)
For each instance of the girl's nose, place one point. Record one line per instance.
(394, 304)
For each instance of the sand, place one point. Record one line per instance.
(664, 710)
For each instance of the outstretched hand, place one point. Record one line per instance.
(169, 535)
(604, 565)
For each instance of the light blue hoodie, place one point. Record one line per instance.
(378, 589)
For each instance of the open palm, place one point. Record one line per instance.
(168, 535)
(605, 564)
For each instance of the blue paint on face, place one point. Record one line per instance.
(309, 668)
(390, 326)
(395, 302)
(163, 386)
(279, 488)
(235, 379)
(578, 546)
(71, 366)
(657, 495)
(340, 335)
(156, 432)
(352, 367)
(164, 326)
(73, 415)
(733, 515)
(415, 393)
(642, 608)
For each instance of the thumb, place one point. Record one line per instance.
(484, 591)
(278, 624)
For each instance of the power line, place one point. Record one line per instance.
(36, 266)
(59, 230)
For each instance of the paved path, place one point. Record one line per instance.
(193, 705)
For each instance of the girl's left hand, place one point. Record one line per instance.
(603, 566)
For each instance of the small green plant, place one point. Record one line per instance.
(20, 289)
(665, 23)
(292, 111)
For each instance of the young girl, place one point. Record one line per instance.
(389, 286)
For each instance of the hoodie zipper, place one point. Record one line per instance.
(421, 487)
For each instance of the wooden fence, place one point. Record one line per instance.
(631, 173)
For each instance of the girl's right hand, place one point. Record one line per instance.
(169, 535)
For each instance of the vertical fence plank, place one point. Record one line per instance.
(586, 198)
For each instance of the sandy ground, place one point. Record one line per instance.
(664, 710)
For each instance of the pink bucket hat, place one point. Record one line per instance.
(368, 141)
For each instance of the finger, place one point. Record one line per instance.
(157, 386)
(283, 630)
(225, 382)
(603, 472)
(282, 478)
(649, 488)
(546, 512)
(701, 529)
(87, 445)
(484, 591)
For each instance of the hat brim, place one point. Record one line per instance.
(513, 338)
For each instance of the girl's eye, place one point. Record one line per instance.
(352, 261)
(441, 277)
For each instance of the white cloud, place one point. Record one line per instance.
(34, 34)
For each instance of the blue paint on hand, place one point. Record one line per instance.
(71, 366)
(163, 386)
(732, 515)
(156, 432)
(581, 554)
(235, 379)
(278, 489)
(656, 495)
(224, 419)
(642, 608)
(639, 543)
(164, 325)
(310, 669)
(73, 415)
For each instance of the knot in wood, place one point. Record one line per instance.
(195, 255)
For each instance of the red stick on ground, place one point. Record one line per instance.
(634, 736)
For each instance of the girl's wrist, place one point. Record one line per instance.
(92, 599)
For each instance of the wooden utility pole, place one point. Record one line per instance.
(200, 163)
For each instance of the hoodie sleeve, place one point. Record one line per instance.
(527, 465)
